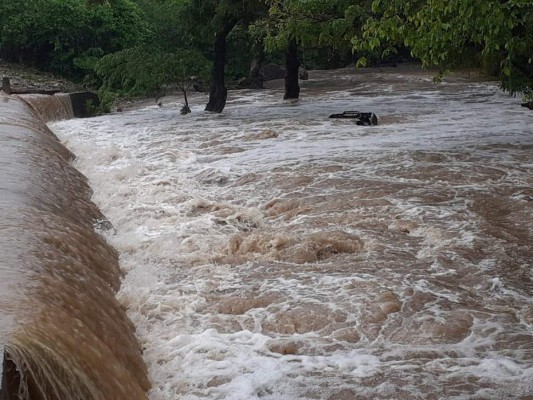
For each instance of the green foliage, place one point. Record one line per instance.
(203, 20)
(239, 53)
(168, 23)
(139, 46)
(322, 29)
(144, 70)
(66, 36)
(180, 46)
(497, 35)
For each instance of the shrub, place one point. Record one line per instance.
(67, 36)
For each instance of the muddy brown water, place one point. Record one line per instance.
(271, 253)
(63, 335)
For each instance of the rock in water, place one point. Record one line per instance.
(272, 71)
(303, 74)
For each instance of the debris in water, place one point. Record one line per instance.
(361, 118)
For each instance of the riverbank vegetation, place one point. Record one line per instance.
(142, 47)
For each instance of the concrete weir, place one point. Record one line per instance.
(63, 335)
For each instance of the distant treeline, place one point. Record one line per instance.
(138, 47)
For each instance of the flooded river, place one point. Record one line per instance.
(272, 253)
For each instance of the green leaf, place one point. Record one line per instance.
(361, 62)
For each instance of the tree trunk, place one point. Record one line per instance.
(218, 92)
(256, 75)
(185, 109)
(292, 64)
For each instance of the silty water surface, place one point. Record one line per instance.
(271, 252)
(63, 335)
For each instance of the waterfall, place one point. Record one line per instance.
(50, 108)
(63, 333)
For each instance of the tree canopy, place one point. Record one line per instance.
(494, 34)
(326, 26)
(67, 36)
(137, 47)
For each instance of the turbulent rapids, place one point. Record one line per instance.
(63, 335)
(270, 252)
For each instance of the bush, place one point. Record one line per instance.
(67, 36)
(145, 70)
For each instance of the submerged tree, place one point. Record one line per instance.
(223, 16)
(218, 92)
(294, 25)
(144, 71)
(169, 57)
(186, 37)
(292, 67)
(494, 34)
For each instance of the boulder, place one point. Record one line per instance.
(272, 71)
(302, 74)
